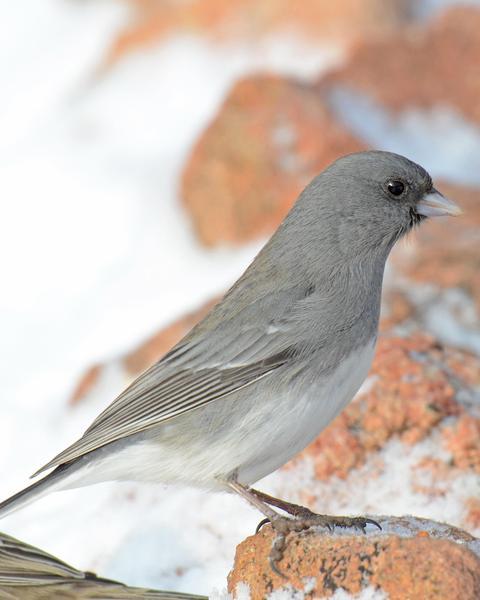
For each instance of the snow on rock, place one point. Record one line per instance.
(408, 559)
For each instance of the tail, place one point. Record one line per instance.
(50, 483)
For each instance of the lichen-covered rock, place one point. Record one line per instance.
(462, 439)
(340, 21)
(86, 383)
(419, 66)
(410, 559)
(270, 138)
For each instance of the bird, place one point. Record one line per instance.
(274, 361)
(29, 573)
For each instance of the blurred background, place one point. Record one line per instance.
(147, 150)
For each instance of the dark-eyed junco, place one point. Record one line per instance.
(28, 573)
(276, 359)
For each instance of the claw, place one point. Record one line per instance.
(261, 524)
(276, 553)
(361, 524)
(373, 522)
(275, 569)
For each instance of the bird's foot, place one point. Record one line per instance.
(301, 519)
(311, 519)
(305, 519)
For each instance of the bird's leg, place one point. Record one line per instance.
(292, 509)
(310, 519)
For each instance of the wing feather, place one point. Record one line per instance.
(150, 401)
(233, 347)
(29, 572)
(19, 561)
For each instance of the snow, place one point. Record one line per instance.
(443, 320)
(96, 254)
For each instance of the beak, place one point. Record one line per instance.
(436, 205)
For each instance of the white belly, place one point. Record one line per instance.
(312, 413)
(251, 436)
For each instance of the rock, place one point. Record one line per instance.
(396, 308)
(410, 559)
(473, 514)
(269, 139)
(250, 20)
(422, 67)
(86, 383)
(462, 439)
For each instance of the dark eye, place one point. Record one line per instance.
(395, 187)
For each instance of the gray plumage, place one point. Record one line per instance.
(28, 573)
(276, 360)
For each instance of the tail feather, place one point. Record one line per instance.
(50, 483)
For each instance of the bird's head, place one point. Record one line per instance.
(364, 202)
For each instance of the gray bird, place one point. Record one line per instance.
(275, 360)
(28, 573)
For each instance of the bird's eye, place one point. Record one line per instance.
(395, 187)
